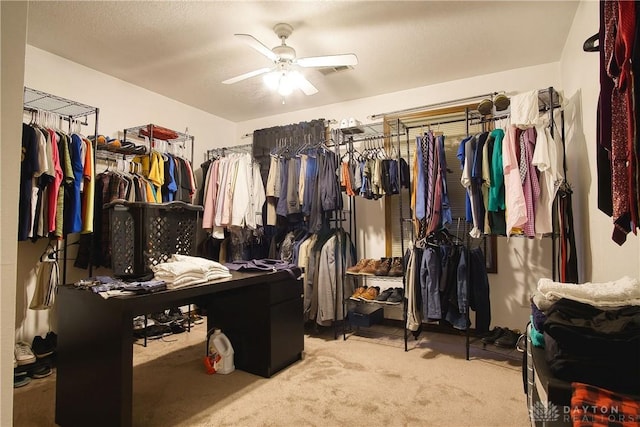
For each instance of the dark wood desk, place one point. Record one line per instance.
(261, 313)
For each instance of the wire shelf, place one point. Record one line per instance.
(42, 101)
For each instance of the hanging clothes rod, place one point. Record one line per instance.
(431, 106)
(31, 110)
(236, 148)
(436, 123)
(327, 122)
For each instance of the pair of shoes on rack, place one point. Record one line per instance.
(355, 269)
(365, 266)
(391, 267)
(364, 293)
(177, 315)
(195, 318)
(139, 322)
(21, 379)
(161, 318)
(370, 294)
(502, 337)
(397, 268)
(43, 347)
(391, 296)
(23, 354)
(359, 291)
(153, 331)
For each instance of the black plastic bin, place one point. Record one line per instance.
(365, 315)
(145, 234)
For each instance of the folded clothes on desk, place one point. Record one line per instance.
(107, 286)
(184, 270)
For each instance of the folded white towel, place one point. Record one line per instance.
(177, 268)
(618, 293)
(215, 275)
(174, 278)
(203, 262)
(186, 281)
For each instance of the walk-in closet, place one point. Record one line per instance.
(262, 213)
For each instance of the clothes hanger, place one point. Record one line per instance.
(438, 132)
(592, 44)
(49, 251)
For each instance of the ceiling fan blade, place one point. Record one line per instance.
(303, 84)
(328, 61)
(246, 76)
(257, 45)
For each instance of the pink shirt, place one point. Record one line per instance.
(210, 197)
(516, 209)
(531, 186)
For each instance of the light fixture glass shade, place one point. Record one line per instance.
(283, 81)
(272, 80)
(287, 84)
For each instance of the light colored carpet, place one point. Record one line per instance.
(363, 381)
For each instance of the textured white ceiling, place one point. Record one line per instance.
(184, 49)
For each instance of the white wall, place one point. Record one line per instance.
(521, 262)
(13, 38)
(603, 259)
(121, 105)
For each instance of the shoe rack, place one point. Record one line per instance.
(373, 282)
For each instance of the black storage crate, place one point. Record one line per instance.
(365, 315)
(145, 234)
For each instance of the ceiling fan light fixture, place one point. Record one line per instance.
(281, 78)
(287, 84)
(272, 80)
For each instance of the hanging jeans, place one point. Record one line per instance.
(479, 290)
(458, 316)
(310, 187)
(429, 283)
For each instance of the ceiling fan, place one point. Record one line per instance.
(283, 76)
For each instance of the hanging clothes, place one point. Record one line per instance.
(28, 169)
(234, 194)
(547, 159)
(617, 143)
(496, 203)
(529, 179)
(56, 183)
(514, 194)
(325, 278)
(443, 281)
(430, 200)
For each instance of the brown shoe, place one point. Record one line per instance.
(355, 269)
(358, 292)
(371, 267)
(385, 265)
(396, 269)
(371, 293)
